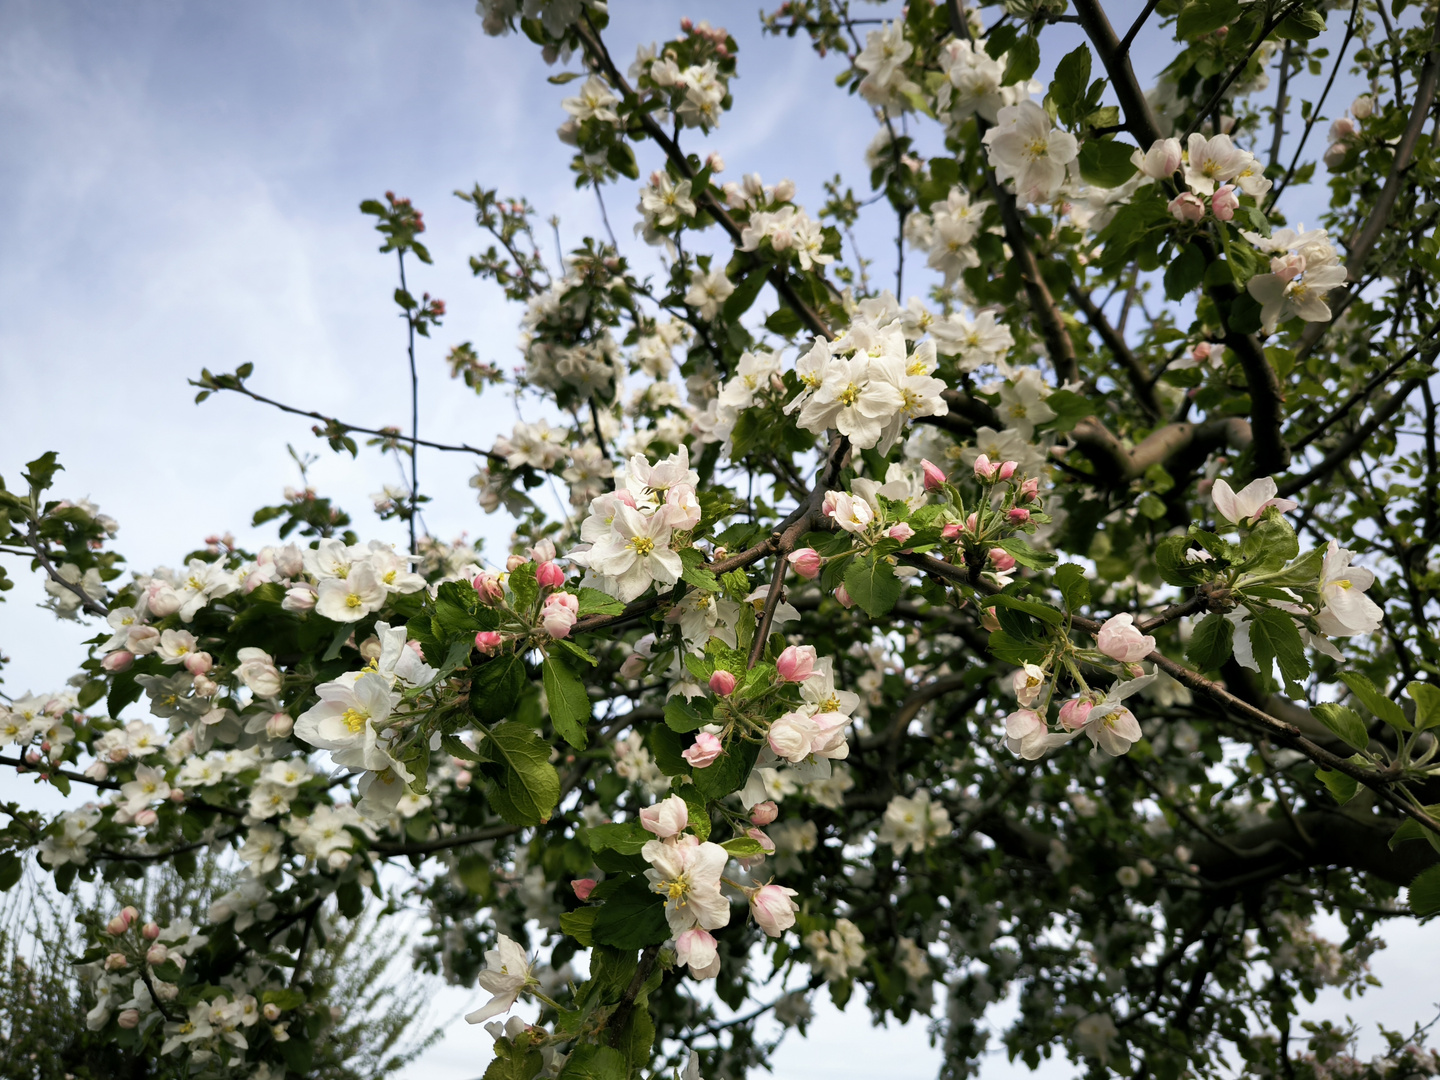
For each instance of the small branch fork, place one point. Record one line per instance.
(458, 448)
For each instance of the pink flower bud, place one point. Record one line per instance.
(489, 588)
(934, 478)
(156, 954)
(785, 191)
(773, 909)
(97, 770)
(198, 663)
(514, 562)
(758, 835)
(763, 813)
(119, 660)
(705, 750)
(1002, 560)
(1074, 713)
(117, 925)
(116, 961)
(722, 683)
(559, 613)
(150, 931)
(666, 818)
(1334, 157)
(696, 949)
(951, 531)
(1120, 639)
(279, 725)
(549, 575)
(989, 620)
(842, 596)
(177, 795)
(715, 163)
(1362, 107)
(1187, 207)
(985, 469)
(634, 666)
(1343, 128)
(129, 914)
(583, 887)
(1018, 515)
(488, 642)
(901, 532)
(147, 817)
(1224, 202)
(1029, 490)
(463, 779)
(796, 663)
(271, 1011)
(805, 562)
(686, 25)
(1007, 469)
(128, 1019)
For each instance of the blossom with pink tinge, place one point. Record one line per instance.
(1075, 712)
(705, 750)
(901, 532)
(549, 575)
(559, 613)
(934, 477)
(1002, 560)
(696, 949)
(985, 469)
(1224, 202)
(1187, 207)
(763, 813)
(1120, 639)
(773, 909)
(805, 562)
(667, 817)
(488, 642)
(583, 887)
(489, 588)
(796, 663)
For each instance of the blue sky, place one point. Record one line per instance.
(181, 182)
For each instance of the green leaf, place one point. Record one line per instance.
(350, 899)
(667, 748)
(10, 870)
(570, 708)
(632, 917)
(696, 573)
(1171, 562)
(1341, 786)
(1301, 26)
(1427, 704)
(784, 321)
(592, 1062)
(1021, 60)
(743, 847)
(1212, 642)
(1344, 722)
(728, 772)
(682, 717)
(1271, 544)
(580, 925)
(1273, 636)
(1070, 579)
(474, 873)
(1072, 78)
(1026, 555)
(1185, 272)
(1410, 829)
(525, 787)
(1043, 612)
(1425, 892)
(1106, 164)
(1205, 16)
(495, 687)
(626, 837)
(739, 301)
(871, 583)
(41, 472)
(1070, 408)
(513, 1062)
(284, 1000)
(595, 602)
(1375, 701)
(622, 160)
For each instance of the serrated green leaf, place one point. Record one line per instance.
(1212, 642)
(595, 602)
(525, 787)
(570, 708)
(1341, 786)
(631, 917)
(1274, 636)
(1425, 892)
(1375, 701)
(1427, 704)
(871, 583)
(1107, 164)
(1344, 722)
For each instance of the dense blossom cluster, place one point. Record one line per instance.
(803, 662)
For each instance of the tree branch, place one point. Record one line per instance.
(1134, 369)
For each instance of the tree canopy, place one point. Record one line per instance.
(1064, 624)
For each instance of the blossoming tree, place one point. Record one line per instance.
(1064, 629)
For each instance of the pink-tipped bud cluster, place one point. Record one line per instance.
(489, 588)
(559, 613)
(549, 575)
(488, 642)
